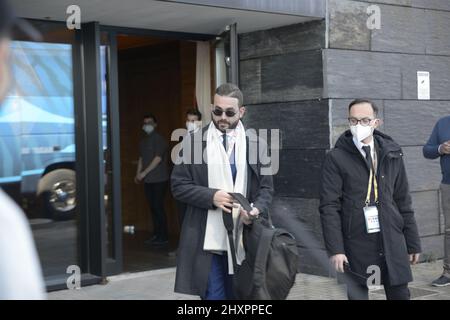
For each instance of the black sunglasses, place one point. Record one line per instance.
(229, 113)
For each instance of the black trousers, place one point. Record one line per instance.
(156, 194)
(359, 291)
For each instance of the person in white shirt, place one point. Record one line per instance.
(20, 270)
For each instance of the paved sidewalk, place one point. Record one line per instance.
(158, 285)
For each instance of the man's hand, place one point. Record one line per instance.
(445, 148)
(141, 176)
(414, 258)
(247, 217)
(223, 200)
(337, 261)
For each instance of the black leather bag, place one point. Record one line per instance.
(271, 257)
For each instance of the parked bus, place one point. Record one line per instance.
(37, 132)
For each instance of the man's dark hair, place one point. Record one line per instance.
(194, 112)
(150, 116)
(359, 101)
(231, 90)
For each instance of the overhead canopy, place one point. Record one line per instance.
(193, 16)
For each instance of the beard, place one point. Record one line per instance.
(224, 125)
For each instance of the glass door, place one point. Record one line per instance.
(226, 56)
(38, 144)
(104, 46)
(111, 151)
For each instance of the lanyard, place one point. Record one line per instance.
(373, 178)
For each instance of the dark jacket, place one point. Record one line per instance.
(440, 134)
(189, 183)
(345, 177)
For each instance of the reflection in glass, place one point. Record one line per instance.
(37, 147)
(107, 148)
(223, 59)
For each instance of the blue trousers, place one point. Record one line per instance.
(220, 284)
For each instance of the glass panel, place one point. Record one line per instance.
(223, 59)
(107, 148)
(37, 146)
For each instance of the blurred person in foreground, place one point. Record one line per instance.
(20, 270)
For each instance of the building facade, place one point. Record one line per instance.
(299, 64)
(301, 79)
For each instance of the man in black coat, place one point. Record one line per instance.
(206, 272)
(365, 208)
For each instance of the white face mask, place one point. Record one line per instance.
(192, 126)
(148, 128)
(360, 132)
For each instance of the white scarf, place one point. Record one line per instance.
(220, 177)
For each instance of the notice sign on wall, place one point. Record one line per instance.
(423, 85)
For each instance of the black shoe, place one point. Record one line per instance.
(442, 281)
(159, 242)
(151, 240)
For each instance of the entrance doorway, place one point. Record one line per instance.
(155, 76)
(153, 73)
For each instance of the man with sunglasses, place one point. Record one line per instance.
(365, 208)
(204, 264)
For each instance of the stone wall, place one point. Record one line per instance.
(301, 78)
(281, 75)
(382, 65)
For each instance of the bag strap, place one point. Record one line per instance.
(262, 253)
(229, 224)
(241, 200)
(246, 205)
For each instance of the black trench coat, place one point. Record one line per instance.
(189, 184)
(343, 191)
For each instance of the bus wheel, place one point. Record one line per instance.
(60, 194)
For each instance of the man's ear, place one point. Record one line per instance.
(379, 123)
(242, 111)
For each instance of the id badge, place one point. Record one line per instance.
(372, 222)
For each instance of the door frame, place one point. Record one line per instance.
(101, 265)
(92, 243)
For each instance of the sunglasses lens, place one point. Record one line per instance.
(228, 113)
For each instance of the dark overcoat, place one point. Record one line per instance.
(189, 184)
(343, 192)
